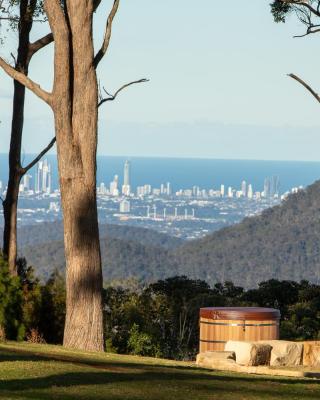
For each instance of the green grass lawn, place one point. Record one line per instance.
(51, 372)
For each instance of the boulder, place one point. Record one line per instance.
(284, 353)
(215, 359)
(311, 354)
(250, 353)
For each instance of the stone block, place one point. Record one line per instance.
(311, 354)
(285, 353)
(250, 353)
(213, 359)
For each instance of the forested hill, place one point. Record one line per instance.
(121, 259)
(283, 243)
(47, 232)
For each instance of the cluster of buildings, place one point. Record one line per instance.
(40, 184)
(271, 189)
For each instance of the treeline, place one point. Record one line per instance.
(160, 319)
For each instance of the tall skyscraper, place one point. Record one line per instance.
(168, 189)
(126, 179)
(244, 188)
(222, 190)
(43, 177)
(275, 186)
(37, 181)
(250, 192)
(114, 191)
(266, 187)
(126, 175)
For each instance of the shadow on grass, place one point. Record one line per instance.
(155, 380)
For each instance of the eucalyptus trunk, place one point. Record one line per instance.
(75, 106)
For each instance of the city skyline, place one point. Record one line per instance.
(42, 184)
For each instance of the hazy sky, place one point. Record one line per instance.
(218, 86)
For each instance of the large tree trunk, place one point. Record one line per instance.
(75, 98)
(10, 203)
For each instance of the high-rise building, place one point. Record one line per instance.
(230, 191)
(147, 189)
(114, 191)
(126, 173)
(275, 186)
(169, 191)
(46, 177)
(250, 192)
(37, 181)
(26, 182)
(125, 206)
(222, 190)
(102, 189)
(43, 177)
(244, 188)
(266, 188)
(126, 179)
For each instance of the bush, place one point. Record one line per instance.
(141, 344)
(10, 304)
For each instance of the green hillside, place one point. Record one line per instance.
(121, 259)
(282, 243)
(45, 372)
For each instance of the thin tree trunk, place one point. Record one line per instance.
(10, 206)
(10, 203)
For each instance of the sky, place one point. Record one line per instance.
(218, 83)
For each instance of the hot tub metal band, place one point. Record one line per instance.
(232, 324)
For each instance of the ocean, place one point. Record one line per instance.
(184, 173)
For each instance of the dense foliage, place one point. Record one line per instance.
(28, 308)
(163, 318)
(160, 319)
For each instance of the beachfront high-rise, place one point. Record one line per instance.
(126, 179)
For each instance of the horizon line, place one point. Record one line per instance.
(184, 158)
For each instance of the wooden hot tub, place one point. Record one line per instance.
(220, 324)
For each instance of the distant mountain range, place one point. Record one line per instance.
(282, 243)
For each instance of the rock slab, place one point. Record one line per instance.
(215, 359)
(250, 353)
(311, 354)
(285, 353)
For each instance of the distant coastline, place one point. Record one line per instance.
(186, 172)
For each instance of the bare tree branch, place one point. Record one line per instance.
(309, 32)
(304, 3)
(106, 40)
(14, 58)
(39, 44)
(25, 169)
(112, 97)
(314, 94)
(25, 81)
